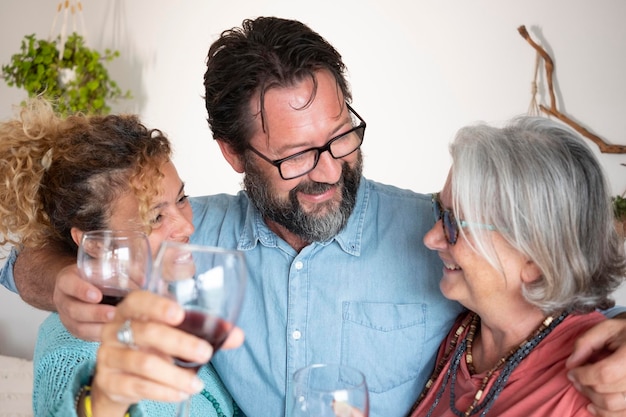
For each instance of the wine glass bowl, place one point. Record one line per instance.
(329, 390)
(208, 282)
(115, 261)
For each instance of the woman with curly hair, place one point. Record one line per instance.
(60, 177)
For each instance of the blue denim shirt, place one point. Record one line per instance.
(368, 298)
(6, 273)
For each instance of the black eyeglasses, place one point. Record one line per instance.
(449, 223)
(301, 163)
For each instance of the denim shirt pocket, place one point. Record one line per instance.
(385, 341)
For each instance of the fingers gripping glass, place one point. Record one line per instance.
(449, 222)
(301, 163)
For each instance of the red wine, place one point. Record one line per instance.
(210, 328)
(112, 296)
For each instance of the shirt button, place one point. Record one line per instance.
(296, 335)
(299, 265)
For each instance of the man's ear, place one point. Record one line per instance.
(77, 235)
(233, 158)
(530, 272)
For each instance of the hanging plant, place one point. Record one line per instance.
(619, 209)
(77, 81)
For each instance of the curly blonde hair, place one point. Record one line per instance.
(57, 173)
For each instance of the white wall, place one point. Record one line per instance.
(419, 70)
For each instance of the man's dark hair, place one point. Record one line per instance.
(264, 53)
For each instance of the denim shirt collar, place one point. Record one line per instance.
(255, 229)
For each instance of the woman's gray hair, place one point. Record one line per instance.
(545, 192)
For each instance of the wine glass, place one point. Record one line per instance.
(209, 283)
(115, 261)
(329, 390)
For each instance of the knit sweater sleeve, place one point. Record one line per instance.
(62, 365)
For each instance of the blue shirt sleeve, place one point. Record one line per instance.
(6, 273)
(613, 311)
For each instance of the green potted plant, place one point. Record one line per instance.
(619, 209)
(77, 81)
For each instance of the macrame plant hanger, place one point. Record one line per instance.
(65, 8)
(535, 108)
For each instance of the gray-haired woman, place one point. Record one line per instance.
(525, 230)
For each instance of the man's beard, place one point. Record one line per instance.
(313, 226)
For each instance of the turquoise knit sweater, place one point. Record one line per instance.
(63, 364)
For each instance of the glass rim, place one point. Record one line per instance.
(194, 247)
(115, 233)
(334, 366)
(199, 248)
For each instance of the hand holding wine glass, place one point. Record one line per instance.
(115, 261)
(326, 390)
(209, 283)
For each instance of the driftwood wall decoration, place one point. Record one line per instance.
(553, 110)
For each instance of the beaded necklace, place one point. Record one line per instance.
(508, 363)
(216, 404)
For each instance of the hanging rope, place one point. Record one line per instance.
(533, 108)
(554, 111)
(65, 7)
